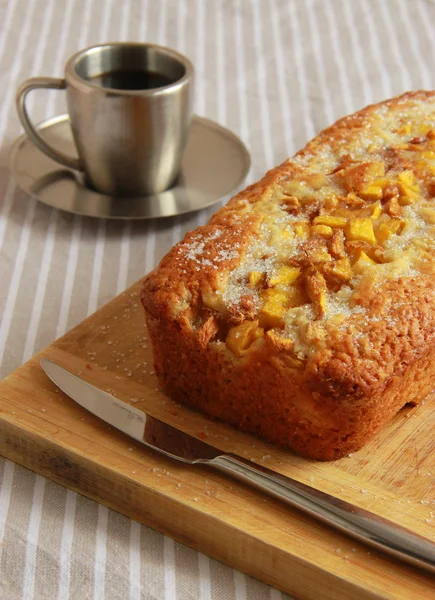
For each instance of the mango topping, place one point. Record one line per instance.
(330, 220)
(363, 262)
(339, 270)
(242, 336)
(272, 311)
(377, 211)
(323, 230)
(255, 278)
(285, 276)
(360, 229)
(371, 192)
(386, 229)
(302, 228)
(327, 234)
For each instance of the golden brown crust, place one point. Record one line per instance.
(333, 400)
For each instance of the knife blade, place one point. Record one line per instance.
(367, 527)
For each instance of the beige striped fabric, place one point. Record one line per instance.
(273, 71)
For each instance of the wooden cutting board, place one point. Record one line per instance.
(394, 476)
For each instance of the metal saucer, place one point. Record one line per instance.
(215, 162)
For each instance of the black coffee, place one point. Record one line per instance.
(131, 80)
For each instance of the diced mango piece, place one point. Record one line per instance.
(408, 187)
(324, 230)
(406, 200)
(316, 180)
(296, 296)
(360, 229)
(290, 203)
(255, 278)
(274, 295)
(241, 337)
(371, 192)
(302, 228)
(386, 229)
(353, 249)
(213, 300)
(330, 220)
(353, 198)
(331, 202)
(358, 177)
(392, 207)
(407, 177)
(278, 342)
(405, 129)
(285, 276)
(295, 188)
(363, 262)
(315, 285)
(361, 255)
(378, 255)
(316, 253)
(339, 270)
(286, 234)
(377, 211)
(377, 170)
(271, 313)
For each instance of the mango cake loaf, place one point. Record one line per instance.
(304, 311)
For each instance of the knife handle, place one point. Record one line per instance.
(363, 525)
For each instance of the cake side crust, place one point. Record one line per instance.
(323, 404)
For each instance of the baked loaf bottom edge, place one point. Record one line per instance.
(263, 395)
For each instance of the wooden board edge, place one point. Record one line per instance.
(291, 574)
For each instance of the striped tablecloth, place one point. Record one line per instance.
(273, 71)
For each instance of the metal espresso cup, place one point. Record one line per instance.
(130, 108)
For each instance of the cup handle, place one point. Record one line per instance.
(45, 83)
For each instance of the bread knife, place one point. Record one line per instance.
(356, 522)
